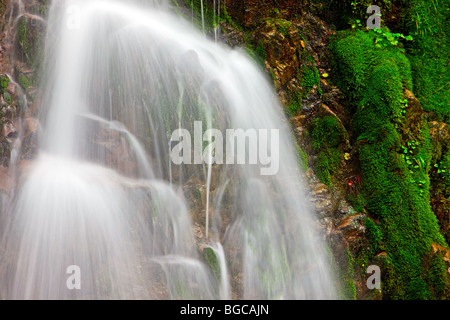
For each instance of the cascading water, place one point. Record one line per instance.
(103, 194)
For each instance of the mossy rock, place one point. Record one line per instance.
(30, 34)
(395, 184)
(427, 21)
(329, 138)
(211, 259)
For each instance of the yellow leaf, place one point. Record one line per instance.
(325, 75)
(302, 43)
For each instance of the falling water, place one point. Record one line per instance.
(103, 194)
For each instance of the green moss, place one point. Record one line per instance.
(428, 22)
(328, 136)
(197, 194)
(258, 54)
(375, 235)
(4, 80)
(7, 98)
(30, 43)
(211, 259)
(373, 78)
(23, 81)
(283, 26)
(302, 158)
(348, 286)
(356, 199)
(437, 277)
(43, 7)
(327, 164)
(327, 132)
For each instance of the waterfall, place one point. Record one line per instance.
(103, 194)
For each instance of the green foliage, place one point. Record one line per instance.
(355, 55)
(211, 259)
(357, 201)
(23, 81)
(4, 80)
(436, 277)
(328, 136)
(374, 78)
(353, 13)
(302, 157)
(283, 26)
(428, 22)
(327, 132)
(327, 164)
(29, 40)
(258, 54)
(308, 77)
(375, 235)
(386, 38)
(348, 275)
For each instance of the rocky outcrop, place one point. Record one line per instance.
(292, 45)
(251, 13)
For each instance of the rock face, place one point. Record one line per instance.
(281, 43)
(292, 46)
(22, 32)
(251, 13)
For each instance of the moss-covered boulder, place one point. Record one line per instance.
(395, 158)
(329, 140)
(30, 33)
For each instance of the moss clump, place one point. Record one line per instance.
(24, 81)
(328, 137)
(302, 158)
(374, 234)
(375, 87)
(428, 23)
(348, 287)
(4, 80)
(436, 277)
(29, 38)
(211, 259)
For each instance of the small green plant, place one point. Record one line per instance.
(4, 80)
(440, 168)
(385, 38)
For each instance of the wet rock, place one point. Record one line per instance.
(231, 36)
(439, 132)
(345, 208)
(439, 129)
(252, 13)
(30, 141)
(30, 34)
(5, 152)
(281, 43)
(445, 252)
(6, 182)
(352, 226)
